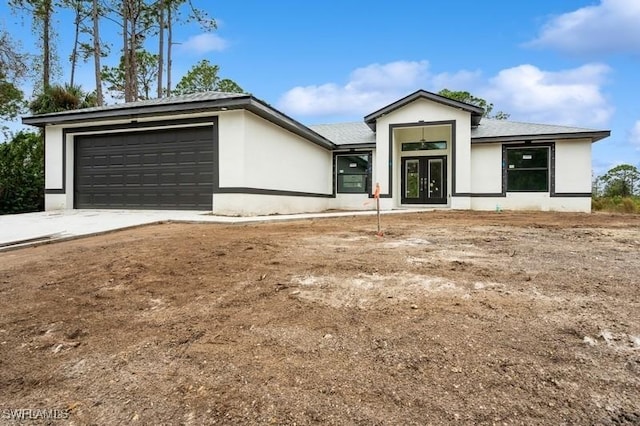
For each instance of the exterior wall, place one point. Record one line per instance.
(265, 165)
(572, 177)
(460, 203)
(231, 149)
(279, 160)
(263, 204)
(532, 201)
(55, 202)
(573, 166)
(413, 113)
(53, 176)
(60, 197)
(344, 201)
(353, 202)
(486, 168)
(58, 169)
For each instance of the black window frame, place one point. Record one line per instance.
(532, 169)
(424, 146)
(339, 177)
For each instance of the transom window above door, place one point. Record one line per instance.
(424, 145)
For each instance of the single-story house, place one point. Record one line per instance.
(233, 154)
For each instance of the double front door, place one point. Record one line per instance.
(424, 180)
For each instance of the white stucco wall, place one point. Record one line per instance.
(280, 160)
(573, 166)
(353, 202)
(258, 155)
(427, 111)
(58, 173)
(231, 152)
(53, 156)
(572, 175)
(261, 204)
(532, 201)
(486, 168)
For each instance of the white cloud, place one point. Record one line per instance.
(611, 26)
(460, 80)
(370, 88)
(572, 97)
(634, 135)
(203, 43)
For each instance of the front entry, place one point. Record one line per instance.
(424, 180)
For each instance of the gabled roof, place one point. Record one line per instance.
(421, 94)
(183, 104)
(329, 136)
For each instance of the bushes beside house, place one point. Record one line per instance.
(618, 190)
(616, 204)
(22, 174)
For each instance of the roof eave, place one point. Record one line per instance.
(248, 102)
(127, 112)
(595, 136)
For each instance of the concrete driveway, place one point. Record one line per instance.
(20, 230)
(32, 228)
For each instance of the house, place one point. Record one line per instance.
(234, 154)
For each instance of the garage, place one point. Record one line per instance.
(154, 169)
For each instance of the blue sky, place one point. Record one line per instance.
(573, 62)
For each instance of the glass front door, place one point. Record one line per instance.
(424, 180)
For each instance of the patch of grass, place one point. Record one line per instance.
(616, 204)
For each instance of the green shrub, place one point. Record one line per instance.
(22, 174)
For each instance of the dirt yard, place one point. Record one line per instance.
(451, 317)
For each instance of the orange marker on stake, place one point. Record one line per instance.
(376, 195)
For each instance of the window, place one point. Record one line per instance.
(424, 145)
(353, 173)
(528, 169)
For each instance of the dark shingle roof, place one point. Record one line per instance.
(489, 130)
(183, 104)
(170, 103)
(354, 133)
(492, 130)
(327, 135)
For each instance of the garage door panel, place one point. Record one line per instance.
(170, 168)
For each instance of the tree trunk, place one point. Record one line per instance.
(169, 47)
(97, 53)
(161, 7)
(125, 51)
(76, 36)
(133, 63)
(46, 41)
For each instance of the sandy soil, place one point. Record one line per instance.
(451, 317)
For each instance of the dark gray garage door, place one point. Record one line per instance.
(156, 169)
